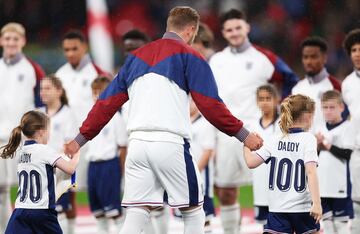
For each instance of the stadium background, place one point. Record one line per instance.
(279, 25)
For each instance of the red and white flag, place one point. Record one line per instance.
(100, 39)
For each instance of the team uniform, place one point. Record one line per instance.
(19, 80)
(314, 87)
(77, 83)
(238, 74)
(62, 130)
(104, 193)
(35, 203)
(289, 197)
(334, 173)
(157, 79)
(204, 138)
(260, 185)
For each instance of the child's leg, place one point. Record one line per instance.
(71, 213)
(355, 228)
(341, 227)
(329, 226)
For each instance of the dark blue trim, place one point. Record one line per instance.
(348, 179)
(207, 180)
(191, 176)
(37, 99)
(332, 126)
(295, 130)
(51, 186)
(272, 122)
(73, 178)
(289, 79)
(30, 142)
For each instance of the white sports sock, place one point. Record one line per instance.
(341, 227)
(5, 208)
(329, 226)
(194, 220)
(135, 221)
(71, 226)
(102, 225)
(150, 227)
(119, 222)
(160, 218)
(355, 227)
(230, 218)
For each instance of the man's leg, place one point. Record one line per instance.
(229, 210)
(194, 219)
(135, 220)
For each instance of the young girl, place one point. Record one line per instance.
(293, 161)
(62, 129)
(35, 204)
(267, 99)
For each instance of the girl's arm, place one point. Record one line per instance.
(204, 160)
(316, 210)
(68, 167)
(252, 160)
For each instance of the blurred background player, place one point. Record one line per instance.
(134, 39)
(35, 203)
(335, 143)
(20, 82)
(294, 199)
(351, 90)
(203, 144)
(317, 80)
(76, 76)
(239, 70)
(62, 129)
(104, 173)
(203, 41)
(267, 127)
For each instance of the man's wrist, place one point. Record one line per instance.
(242, 134)
(80, 139)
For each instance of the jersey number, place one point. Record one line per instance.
(34, 180)
(282, 174)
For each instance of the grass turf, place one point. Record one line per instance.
(245, 198)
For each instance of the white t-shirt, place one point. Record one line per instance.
(261, 173)
(334, 172)
(204, 138)
(36, 176)
(288, 155)
(105, 145)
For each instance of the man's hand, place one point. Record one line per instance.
(71, 148)
(253, 141)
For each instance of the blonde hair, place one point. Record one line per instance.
(182, 16)
(31, 122)
(13, 27)
(292, 108)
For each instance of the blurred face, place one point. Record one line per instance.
(74, 51)
(313, 60)
(42, 136)
(12, 44)
(49, 93)
(266, 102)
(306, 120)
(95, 94)
(332, 110)
(355, 55)
(235, 31)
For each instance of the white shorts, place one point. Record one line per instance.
(231, 170)
(153, 168)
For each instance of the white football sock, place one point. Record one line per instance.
(102, 225)
(355, 227)
(71, 226)
(135, 221)
(160, 218)
(329, 226)
(194, 220)
(230, 218)
(341, 227)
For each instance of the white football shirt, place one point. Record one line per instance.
(288, 191)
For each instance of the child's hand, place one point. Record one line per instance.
(319, 137)
(316, 212)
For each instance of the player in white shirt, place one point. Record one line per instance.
(335, 143)
(351, 90)
(157, 80)
(19, 81)
(203, 143)
(35, 203)
(103, 154)
(62, 129)
(76, 76)
(239, 70)
(294, 199)
(267, 126)
(317, 80)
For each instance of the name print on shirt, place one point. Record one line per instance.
(288, 146)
